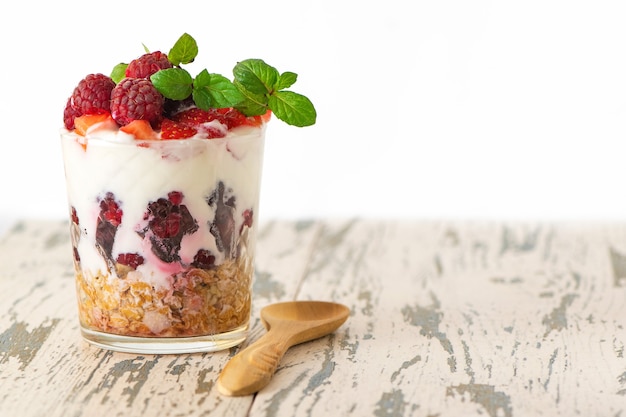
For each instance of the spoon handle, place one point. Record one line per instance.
(252, 369)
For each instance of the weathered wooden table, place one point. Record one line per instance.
(448, 319)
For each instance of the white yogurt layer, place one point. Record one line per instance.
(139, 172)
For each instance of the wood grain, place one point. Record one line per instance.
(447, 319)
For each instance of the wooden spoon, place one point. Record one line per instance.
(288, 324)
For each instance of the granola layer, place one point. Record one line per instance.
(199, 302)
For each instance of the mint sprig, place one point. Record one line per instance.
(256, 88)
(266, 88)
(207, 90)
(214, 90)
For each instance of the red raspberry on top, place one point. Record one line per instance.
(147, 64)
(136, 99)
(69, 114)
(92, 95)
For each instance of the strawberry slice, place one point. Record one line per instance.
(193, 121)
(229, 117)
(171, 129)
(200, 120)
(195, 116)
(140, 129)
(232, 118)
(83, 123)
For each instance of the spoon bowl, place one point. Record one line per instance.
(288, 324)
(304, 321)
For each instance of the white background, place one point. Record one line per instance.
(426, 109)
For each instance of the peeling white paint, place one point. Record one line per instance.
(447, 319)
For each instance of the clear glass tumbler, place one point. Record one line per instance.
(163, 235)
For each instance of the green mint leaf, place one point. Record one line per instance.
(202, 80)
(255, 76)
(292, 108)
(184, 51)
(119, 72)
(286, 80)
(145, 48)
(202, 99)
(252, 104)
(214, 90)
(173, 83)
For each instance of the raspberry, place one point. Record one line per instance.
(247, 218)
(92, 95)
(147, 64)
(136, 99)
(203, 259)
(110, 210)
(167, 227)
(132, 260)
(69, 114)
(74, 216)
(175, 197)
(168, 222)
